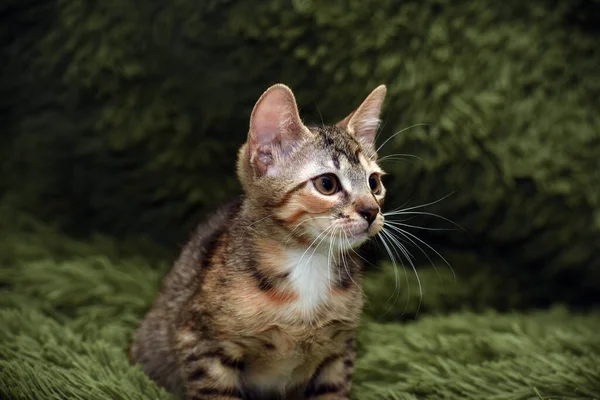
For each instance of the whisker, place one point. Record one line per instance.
(329, 264)
(337, 263)
(397, 133)
(320, 115)
(407, 234)
(416, 227)
(403, 204)
(406, 253)
(418, 247)
(329, 230)
(401, 242)
(362, 258)
(397, 157)
(256, 222)
(419, 206)
(345, 263)
(388, 160)
(432, 215)
(289, 236)
(379, 130)
(313, 242)
(396, 293)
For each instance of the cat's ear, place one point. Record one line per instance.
(364, 121)
(275, 128)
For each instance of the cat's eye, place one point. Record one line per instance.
(327, 184)
(375, 183)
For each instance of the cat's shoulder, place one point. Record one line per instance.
(187, 269)
(217, 221)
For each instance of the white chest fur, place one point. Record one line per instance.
(311, 278)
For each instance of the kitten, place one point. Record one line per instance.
(264, 300)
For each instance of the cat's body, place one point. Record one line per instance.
(264, 299)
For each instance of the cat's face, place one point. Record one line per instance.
(322, 183)
(338, 191)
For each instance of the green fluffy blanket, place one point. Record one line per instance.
(127, 120)
(497, 103)
(69, 309)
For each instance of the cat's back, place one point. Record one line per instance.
(187, 272)
(153, 346)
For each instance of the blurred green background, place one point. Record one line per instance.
(120, 124)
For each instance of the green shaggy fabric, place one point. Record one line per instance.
(125, 118)
(149, 100)
(68, 310)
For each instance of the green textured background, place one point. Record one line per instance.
(119, 127)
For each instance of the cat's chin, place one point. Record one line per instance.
(354, 241)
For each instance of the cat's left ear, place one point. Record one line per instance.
(275, 129)
(364, 121)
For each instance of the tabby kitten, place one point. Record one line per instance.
(264, 300)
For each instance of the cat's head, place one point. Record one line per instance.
(318, 182)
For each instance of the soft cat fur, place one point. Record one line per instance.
(265, 298)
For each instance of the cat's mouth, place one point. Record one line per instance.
(355, 230)
(363, 231)
(347, 234)
(356, 236)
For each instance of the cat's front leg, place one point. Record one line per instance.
(212, 378)
(333, 378)
(209, 371)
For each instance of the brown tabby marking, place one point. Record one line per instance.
(264, 299)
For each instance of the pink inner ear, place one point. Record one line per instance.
(366, 128)
(365, 120)
(275, 126)
(268, 119)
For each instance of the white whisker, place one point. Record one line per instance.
(419, 206)
(328, 230)
(430, 214)
(256, 222)
(362, 258)
(345, 263)
(417, 227)
(397, 133)
(408, 235)
(408, 256)
(397, 157)
(396, 293)
(329, 255)
(313, 242)
(289, 236)
(418, 247)
(320, 115)
(379, 131)
(338, 262)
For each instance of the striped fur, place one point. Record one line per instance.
(264, 299)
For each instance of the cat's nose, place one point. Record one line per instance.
(369, 213)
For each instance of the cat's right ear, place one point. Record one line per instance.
(275, 129)
(364, 121)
